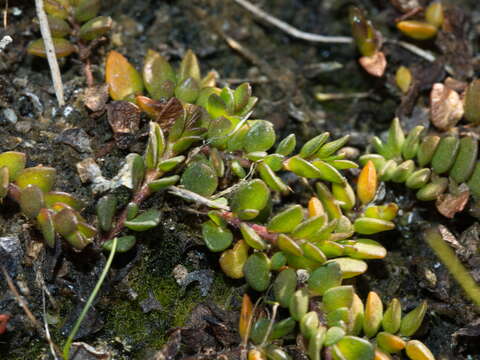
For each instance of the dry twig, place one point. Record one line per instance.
(299, 34)
(23, 304)
(50, 50)
(191, 196)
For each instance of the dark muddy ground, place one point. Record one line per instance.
(141, 303)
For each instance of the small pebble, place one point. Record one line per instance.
(10, 115)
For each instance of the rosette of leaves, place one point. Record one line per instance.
(54, 212)
(162, 82)
(435, 166)
(331, 321)
(75, 27)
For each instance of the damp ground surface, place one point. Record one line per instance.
(141, 304)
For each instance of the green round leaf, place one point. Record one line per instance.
(257, 271)
(252, 195)
(260, 137)
(200, 178)
(217, 238)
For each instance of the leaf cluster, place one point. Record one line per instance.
(332, 320)
(430, 164)
(54, 212)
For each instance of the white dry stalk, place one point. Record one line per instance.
(290, 29)
(50, 50)
(196, 198)
(299, 34)
(6, 40)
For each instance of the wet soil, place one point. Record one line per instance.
(142, 304)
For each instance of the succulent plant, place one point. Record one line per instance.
(331, 321)
(431, 165)
(55, 213)
(202, 138)
(75, 27)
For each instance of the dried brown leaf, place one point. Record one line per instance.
(124, 118)
(169, 112)
(375, 65)
(446, 107)
(96, 97)
(448, 204)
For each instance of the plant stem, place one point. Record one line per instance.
(66, 348)
(140, 195)
(259, 229)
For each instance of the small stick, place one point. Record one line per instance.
(191, 196)
(292, 30)
(24, 306)
(50, 50)
(328, 39)
(340, 96)
(5, 15)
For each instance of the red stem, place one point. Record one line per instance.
(259, 229)
(140, 195)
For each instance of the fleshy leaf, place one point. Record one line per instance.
(14, 161)
(46, 226)
(31, 201)
(353, 348)
(373, 314)
(158, 75)
(124, 244)
(324, 278)
(62, 47)
(257, 271)
(284, 286)
(122, 78)
(260, 137)
(217, 238)
(106, 207)
(200, 178)
(86, 9)
(252, 195)
(41, 176)
(145, 221)
(233, 260)
(95, 28)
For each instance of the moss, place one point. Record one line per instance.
(145, 332)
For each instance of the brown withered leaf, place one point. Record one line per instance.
(96, 97)
(169, 112)
(448, 204)
(124, 118)
(446, 107)
(375, 65)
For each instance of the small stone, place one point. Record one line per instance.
(23, 126)
(96, 97)
(76, 138)
(10, 115)
(11, 253)
(179, 273)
